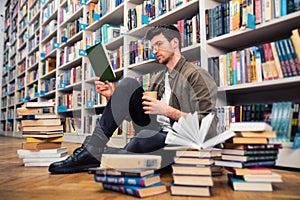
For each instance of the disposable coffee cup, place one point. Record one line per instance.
(152, 94)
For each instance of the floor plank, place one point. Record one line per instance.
(19, 182)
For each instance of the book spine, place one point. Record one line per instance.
(138, 181)
(258, 163)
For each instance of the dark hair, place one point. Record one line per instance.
(169, 31)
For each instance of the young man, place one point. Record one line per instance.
(181, 88)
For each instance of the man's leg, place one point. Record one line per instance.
(126, 100)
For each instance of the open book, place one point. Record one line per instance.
(187, 134)
(100, 62)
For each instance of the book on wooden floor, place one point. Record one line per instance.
(249, 158)
(252, 170)
(187, 134)
(183, 190)
(143, 181)
(239, 184)
(252, 146)
(41, 122)
(237, 164)
(124, 172)
(273, 177)
(250, 126)
(58, 152)
(42, 128)
(250, 151)
(193, 180)
(43, 160)
(37, 139)
(191, 169)
(35, 111)
(130, 161)
(40, 145)
(265, 134)
(31, 104)
(193, 160)
(137, 191)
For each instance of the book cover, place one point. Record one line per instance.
(251, 170)
(193, 180)
(263, 134)
(186, 133)
(101, 63)
(183, 190)
(273, 177)
(250, 151)
(24, 152)
(41, 122)
(129, 161)
(124, 172)
(240, 184)
(143, 181)
(191, 169)
(199, 153)
(237, 164)
(35, 139)
(136, 190)
(42, 128)
(249, 158)
(39, 146)
(31, 104)
(250, 126)
(252, 146)
(193, 160)
(34, 111)
(248, 140)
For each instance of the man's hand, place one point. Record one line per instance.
(103, 88)
(154, 106)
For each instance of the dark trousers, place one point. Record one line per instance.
(127, 101)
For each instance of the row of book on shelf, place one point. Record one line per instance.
(268, 61)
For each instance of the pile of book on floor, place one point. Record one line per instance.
(193, 166)
(130, 174)
(248, 157)
(192, 172)
(43, 132)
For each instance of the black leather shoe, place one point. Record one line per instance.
(79, 161)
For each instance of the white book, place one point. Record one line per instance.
(46, 155)
(43, 160)
(187, 134)
(41, 152)
(250, 126)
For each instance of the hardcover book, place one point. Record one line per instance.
(187, 134)
(183, 190)
(238, 183)
(136, 191)
(124, 172)
(250, 126)
(143, 181)
(101, 63)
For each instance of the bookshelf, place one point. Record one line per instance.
(44, 55)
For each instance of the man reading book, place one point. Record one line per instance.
(182, 88)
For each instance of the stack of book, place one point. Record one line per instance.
(130, 174)
(192, 172)
(42, 130)
(248, 155)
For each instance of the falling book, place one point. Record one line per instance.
(101, 63)
(187, 134)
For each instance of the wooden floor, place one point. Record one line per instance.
(19, 182)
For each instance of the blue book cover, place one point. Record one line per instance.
(136, 190)
(143, 181)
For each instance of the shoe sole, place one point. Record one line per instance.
(73, 169)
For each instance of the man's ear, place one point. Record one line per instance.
(175, 43)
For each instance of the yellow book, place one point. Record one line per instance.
(34, 139)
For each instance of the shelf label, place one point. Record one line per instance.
(36, 94)
(97, 42)
(64, 39)
(27, 36)
(42, 92)
(251, 21)
(20, 86)
(88, 46)
(7, 68)
(82, 27)
(5, 93)
(82, 52)
(62, 108)
(43, 1)
(24, 100)
(62, 85)
(26, 21)
(89, 104)
(96, 16)
(43, 55)
(9, 118)
(55, 45)
(145, 19)
(83, 2)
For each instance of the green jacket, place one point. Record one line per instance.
(193, 90)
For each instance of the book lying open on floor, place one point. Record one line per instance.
(101, 63)
(187, 134)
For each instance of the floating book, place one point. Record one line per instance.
(187, 134)
(101, 63)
